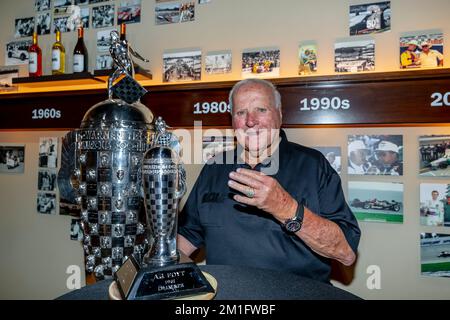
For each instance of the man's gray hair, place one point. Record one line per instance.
(269, 85)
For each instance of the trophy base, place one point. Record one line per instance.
(114, 292)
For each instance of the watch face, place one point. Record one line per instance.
(293, 226)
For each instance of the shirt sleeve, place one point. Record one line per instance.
(334, 207)
(189, 222)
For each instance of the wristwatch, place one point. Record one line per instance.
(295, 224)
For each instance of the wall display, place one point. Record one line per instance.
(60, 24)
(46, 203)
(307, 58)
(203, 1)
(103, 62)
(435, 204)
(333, 155)
(17, 52)
(375, 155)
(212, 145)
(434, 156)
(97, 1)
(129, 12)
(435, 254)
(263, 62)
(370, 18)
(104, 40)
(48, 152)
(422, 50)
(61, 3)
(46, 180)
(43, 23)
(354, 56)
(167, 13)
(61, 11)
(76, 232)
(182, 66)
(187, 12)
(24, 27)
(103, 16)
(77, 2)
(12, 159)
(376, 201)
(218, 62)
(42, 5)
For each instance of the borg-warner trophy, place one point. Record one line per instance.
(161, 275)
(101, 170)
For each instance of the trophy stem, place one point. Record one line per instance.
(161, 254)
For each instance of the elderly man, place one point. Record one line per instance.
(430, 58)
(291, 218)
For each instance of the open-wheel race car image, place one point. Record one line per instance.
(377, 204)
(444, 254)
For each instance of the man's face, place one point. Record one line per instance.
(358, 157)
(388, 157)
(425, 49)
(256, 120)
(435, 195)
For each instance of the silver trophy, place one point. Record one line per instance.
(164, 183)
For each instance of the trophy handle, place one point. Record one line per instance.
(181, 182)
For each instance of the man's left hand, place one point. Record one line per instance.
(263, 192)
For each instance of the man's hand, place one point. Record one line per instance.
(263, 192)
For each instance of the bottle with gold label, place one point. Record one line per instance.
(58, 56)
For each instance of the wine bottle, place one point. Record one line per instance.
(35, 58)
(123, 31)
(58, 56)
(80, 54)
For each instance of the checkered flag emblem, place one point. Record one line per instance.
(128, 90)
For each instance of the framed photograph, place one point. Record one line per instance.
(6, 76)
(261, 63)
(422, 50)
(41, 5)
(103, 16)
(213, 145)
(434, 156)
(435, 254)
(12, 159)
(104, 40)
(354, 56)
(167, 13)
(46, 203)
(104, 61)
(375, 155)
(24, 27)
(43, 23)
(48, 152)
(84, 16)
(61, 3)
(182, 66)
(376, 201)
(333, 155)
(307, 58)
(129, 12)
(76, 233)
(370, 18)
(218, 62)
(187, 12)
(60, 24)
(435, 204)
(46, 180)
(17, 52)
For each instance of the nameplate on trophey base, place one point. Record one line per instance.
(179, 281)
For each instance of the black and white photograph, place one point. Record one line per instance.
(46, 203)
(370, 18)
(376, 201)
(213, 145)
(354, 56)
(435, 254)
(17, 52)
(76, 233)
(48, 152)
(84, 16)
(434, 153)
(60, 24)
(41, 5)
(187, 12)
(7, 74)
(47, 180)
(78, 2)
(12, 159)
(218, 62)
(24, 27)
(422, 49)
(435, 204)
(182, 66)
(203, 1)
(61, 3)
(103, 16)
(78, 16)
(375, 155)
(104, 40)
(263, 62)
(97, 1)
(104, 61)
(333, 155)
(43, 23)
(129, 12)
(167, 13)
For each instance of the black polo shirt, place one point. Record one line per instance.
(238, 234)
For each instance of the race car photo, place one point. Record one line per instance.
(377, 204)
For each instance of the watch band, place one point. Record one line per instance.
(295, 224)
